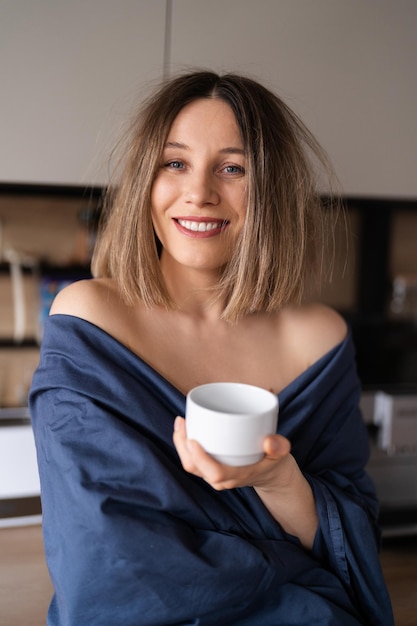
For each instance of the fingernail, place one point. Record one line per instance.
(274, 447)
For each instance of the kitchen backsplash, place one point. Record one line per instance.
(47, 236)
(16, 371)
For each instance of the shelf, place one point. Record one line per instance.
(386, 352)
(47, 269)
(12, 508)
(93, 192)
(14, 412)
(6, 342)
(14, 416)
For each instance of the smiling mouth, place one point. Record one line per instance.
(201, 227)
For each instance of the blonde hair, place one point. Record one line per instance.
(282, 243)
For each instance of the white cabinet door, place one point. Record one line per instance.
(69, 72)
(19, 476)
(348, 67)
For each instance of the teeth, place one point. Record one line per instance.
(200, 227)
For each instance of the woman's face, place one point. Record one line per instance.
(199, 194)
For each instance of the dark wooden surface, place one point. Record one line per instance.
(399, 562)
(25, 588)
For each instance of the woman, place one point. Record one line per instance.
(207, 245)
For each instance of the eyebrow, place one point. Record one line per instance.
(183, 146)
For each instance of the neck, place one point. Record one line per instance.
(192, 290)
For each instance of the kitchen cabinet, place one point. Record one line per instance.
(18, 468)
(384, 327)
(383, 236)
(69, 72)
(347, 68)
(47, 235)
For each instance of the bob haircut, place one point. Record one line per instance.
(281, 245)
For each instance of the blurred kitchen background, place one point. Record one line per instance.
(71, 72)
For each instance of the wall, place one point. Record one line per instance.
(70, 72)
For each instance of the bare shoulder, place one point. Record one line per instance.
(91, 299)
(313, 330)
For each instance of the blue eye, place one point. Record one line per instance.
(234, 169)
(174, 165)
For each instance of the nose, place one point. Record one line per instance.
(201, 189)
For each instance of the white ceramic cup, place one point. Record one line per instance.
(231, 420)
